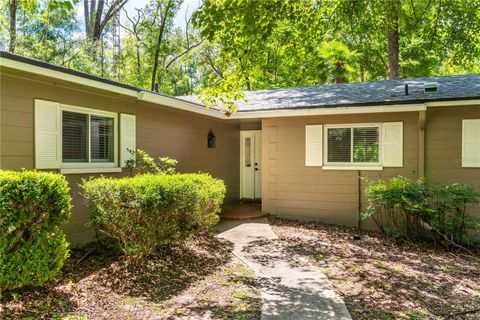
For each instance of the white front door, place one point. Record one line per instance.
(251, 164)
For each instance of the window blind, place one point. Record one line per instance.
(366, 145)
(339, 142)
(353, 145)
(74, 137)
(101, 139)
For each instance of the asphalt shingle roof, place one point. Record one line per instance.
(363, 93)
(385, 92)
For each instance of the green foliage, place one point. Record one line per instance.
(44, 29)
(223, 93)
(142, 162)
(146, 211)
(405, 208)
(33, 206)
(452, 203)
(276, 43)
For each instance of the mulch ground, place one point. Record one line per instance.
(382, 279)
(200, 279)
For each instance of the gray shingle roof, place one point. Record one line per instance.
(360, 94)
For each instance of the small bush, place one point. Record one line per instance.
(405, 208)
(143, 163)
(33, 206)
(452, 203)
(148, 210)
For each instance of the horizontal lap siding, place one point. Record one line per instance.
(160, 132)
(444, 147)
(292, 190)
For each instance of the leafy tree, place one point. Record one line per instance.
(276, 43)
(38, 28)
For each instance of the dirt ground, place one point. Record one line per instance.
(200, 279)
(382, 279)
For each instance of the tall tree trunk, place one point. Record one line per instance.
(362, 73)
(161, 31)
(138, 58)
(97, 31)
(95, 20)
(393, 46)
(86, 13)
(13, 25)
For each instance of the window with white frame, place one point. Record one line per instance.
(80, 140)
(88, 137)
(352, 145)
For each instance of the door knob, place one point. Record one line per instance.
(256, 169)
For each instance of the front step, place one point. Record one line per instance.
(242, 211)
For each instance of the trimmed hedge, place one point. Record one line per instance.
(148, 210)
(33, 206)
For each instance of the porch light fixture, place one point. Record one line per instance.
(210, 139)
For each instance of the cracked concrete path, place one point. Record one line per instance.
(291, 287)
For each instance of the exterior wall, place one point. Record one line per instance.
(444, 146)
(292, 190)
(251, 125)
(160, 132)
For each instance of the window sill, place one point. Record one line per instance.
(90, 170)
(352, 168)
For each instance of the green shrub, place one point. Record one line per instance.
(148, 210)
(405, 208)
(452, 203)
(33, 206)
(142, 163)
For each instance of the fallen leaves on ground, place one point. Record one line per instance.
(199, 279)
(382, 279)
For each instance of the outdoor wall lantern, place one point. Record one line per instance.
(211, 139)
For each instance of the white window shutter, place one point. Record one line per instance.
(471, 143)
(392, 144)
(314, 145)
(48, 153)
(127, 137)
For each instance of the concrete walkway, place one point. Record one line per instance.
(291, 287)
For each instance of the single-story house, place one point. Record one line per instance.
(303, 151)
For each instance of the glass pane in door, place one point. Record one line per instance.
(248, 152)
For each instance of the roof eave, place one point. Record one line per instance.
(328, 111)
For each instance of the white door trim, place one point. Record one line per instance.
(243, 134)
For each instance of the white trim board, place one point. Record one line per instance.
(179, 104)
(453, 103)
(5, 62)
(328, 111)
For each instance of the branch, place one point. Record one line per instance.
(187, 50)
(114, 8)
(217, 70)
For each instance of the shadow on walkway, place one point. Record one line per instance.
(291, 287)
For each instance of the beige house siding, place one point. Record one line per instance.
(444, 146)
(292, 190)
(160, 131)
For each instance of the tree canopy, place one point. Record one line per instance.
(231, 45)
